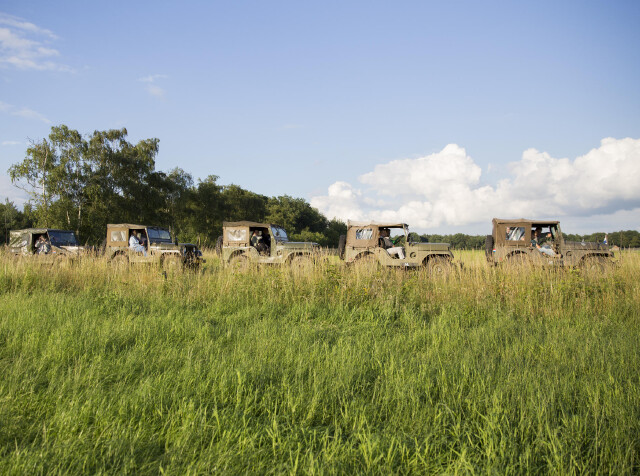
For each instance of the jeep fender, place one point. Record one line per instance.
(236, 253)
(117, 253)
(364, 254)
(593, 255)
(433, 256)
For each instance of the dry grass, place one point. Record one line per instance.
(340, 370)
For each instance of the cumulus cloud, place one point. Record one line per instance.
(152, 87)
(25, 112)
(26, 46)
(343, 201)
(444, 189)
(11, 192)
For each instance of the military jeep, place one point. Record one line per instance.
(364, 243)
(158, 244)
(245, 242)
(60, 242)
(511, 243)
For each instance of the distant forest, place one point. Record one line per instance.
(82, 183)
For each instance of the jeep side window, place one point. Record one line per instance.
(515, 233)
(119, 235)
(364, 233)
(237, 235)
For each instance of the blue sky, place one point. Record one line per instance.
(441, 114)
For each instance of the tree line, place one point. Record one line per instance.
(81, 183)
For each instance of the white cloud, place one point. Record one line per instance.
(31, 114)
(10, 142)
(24, 45)
(343, 201)
(153, 88)
(25, 112)
(443, 189)
(20, 24)
(152, 78)
(156, 91)
(9, 191)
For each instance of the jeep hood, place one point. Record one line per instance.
(588, 245)
(299, 245)
(165, 246)
(430, 246)
(67, 249)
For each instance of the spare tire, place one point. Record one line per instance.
(488, 246)
(342, 244)
(219, 246)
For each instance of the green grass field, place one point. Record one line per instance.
(485, 371)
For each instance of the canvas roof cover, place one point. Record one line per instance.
(18, 234)
(385, 224)
(523, 221)
(22, 238)
(129, 225)
(251, 224)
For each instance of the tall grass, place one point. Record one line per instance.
(107, 370)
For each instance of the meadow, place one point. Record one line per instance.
(127, 371)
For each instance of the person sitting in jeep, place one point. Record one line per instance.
(258, 242)
(43, 246)
(134, 244)
(541, 242)
(386, 243)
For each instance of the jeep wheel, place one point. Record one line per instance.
(342, 244)
(120, 260)
(517, 260)
(594, 265)
(438, 267)
(367, 263)
(239, 263)
(171, 262)
(302, 264)
(488, 247)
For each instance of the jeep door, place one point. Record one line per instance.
(361, 240)
(137, 257)
(512, 239)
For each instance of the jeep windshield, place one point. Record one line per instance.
(398, 234)
(63, 238)
(279, 233)
(159, 235)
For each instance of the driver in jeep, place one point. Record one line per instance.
(542, 241)
(386, 243)
(258, 243)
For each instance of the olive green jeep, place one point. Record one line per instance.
(371, 242)
(512, 242)
(245, 242)
(152, 244)
(44, 242)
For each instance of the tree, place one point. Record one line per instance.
(295, 215)
(241, 204)
(207, 210)
(33, 176)
(13, 219)
(82, 184)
